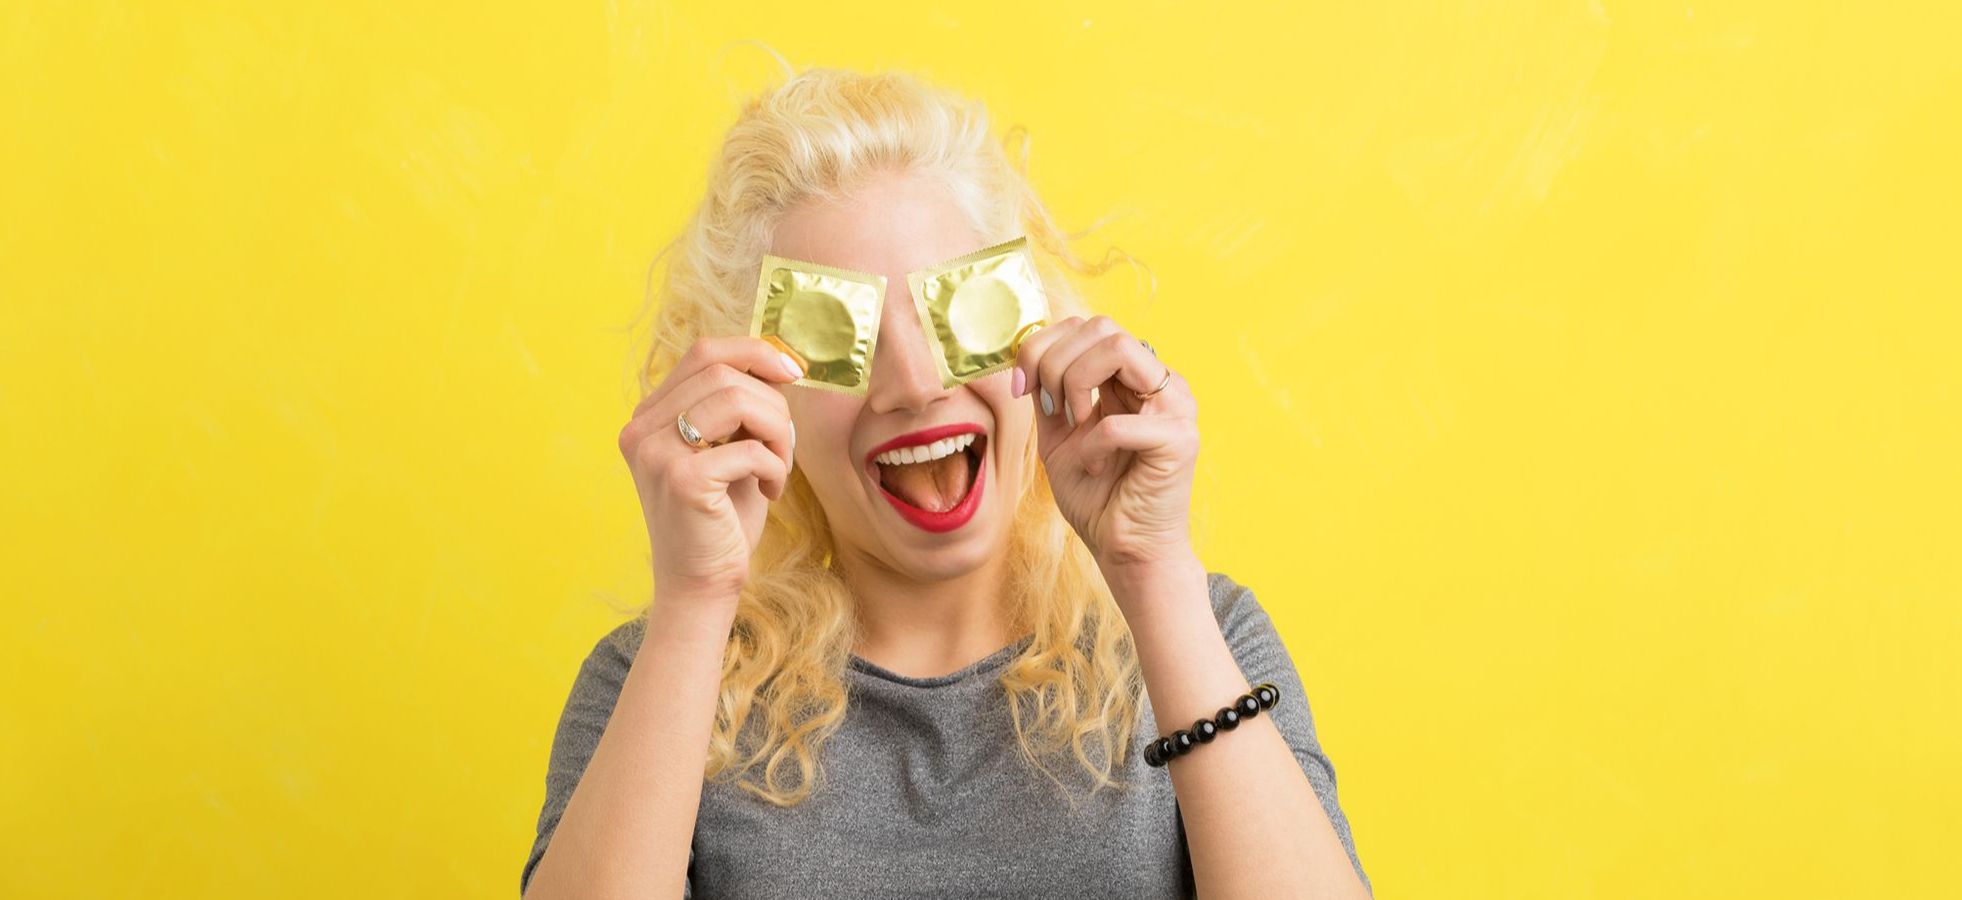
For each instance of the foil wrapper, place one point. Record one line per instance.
(977, 308)
(829, 317)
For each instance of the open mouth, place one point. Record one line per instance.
(935, 484)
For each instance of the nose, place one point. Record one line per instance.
(903, 374)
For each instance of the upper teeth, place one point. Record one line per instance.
(925, 452)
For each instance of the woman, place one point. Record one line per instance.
(881, 709)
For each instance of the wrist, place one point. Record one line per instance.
(684, 614)
(1138, 580)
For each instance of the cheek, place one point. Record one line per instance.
(1014, 417)
(823, 421)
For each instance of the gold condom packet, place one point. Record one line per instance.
(829, 317)
(975, 309)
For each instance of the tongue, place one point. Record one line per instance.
(935, 486)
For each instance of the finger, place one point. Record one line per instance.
(737, 412)
(716, 378)
(1029, 354)
(1117, 357)
(717, 468)
(1052, 432)
(1173, 438)
(654, 418)
(743, 353)
(1058, 358)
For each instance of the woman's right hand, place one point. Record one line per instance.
(705, 507)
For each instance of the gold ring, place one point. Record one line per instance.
(689, 432)
(1161, 384)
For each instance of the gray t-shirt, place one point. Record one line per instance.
(927, 794)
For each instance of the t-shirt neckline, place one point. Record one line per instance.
(991, 661)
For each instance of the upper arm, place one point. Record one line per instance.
(1262, 656)
(588, 707)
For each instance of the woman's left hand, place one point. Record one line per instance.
(1119, 466)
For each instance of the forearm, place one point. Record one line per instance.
(1253, 824)
(628, 826)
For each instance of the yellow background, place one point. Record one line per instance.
(1577, 385)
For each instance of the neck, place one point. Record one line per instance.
(924, 629)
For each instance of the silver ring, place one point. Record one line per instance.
(689, 432)
(1161, 384)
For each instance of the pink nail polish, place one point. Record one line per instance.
(1017, 383)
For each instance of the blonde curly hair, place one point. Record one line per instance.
(1076, 688)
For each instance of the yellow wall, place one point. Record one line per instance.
(1578, 390)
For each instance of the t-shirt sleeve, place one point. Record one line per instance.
(587, 709)
(1257, 647)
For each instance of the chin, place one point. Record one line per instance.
(945, 556)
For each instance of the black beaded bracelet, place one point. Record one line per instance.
(1248, 705)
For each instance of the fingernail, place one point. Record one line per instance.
(793, 435)
(1016, 383)
(1048, 405)
(1069, 415)
(791, 366)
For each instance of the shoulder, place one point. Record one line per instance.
(1250, 632)
(621, 643)
(1225, 592)
(1235, 607)
(605, 666)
